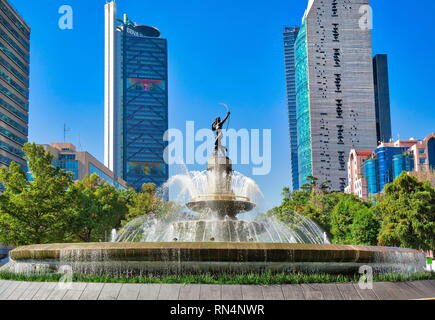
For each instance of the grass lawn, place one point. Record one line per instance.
(255, 279)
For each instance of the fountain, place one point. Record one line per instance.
(209, 238)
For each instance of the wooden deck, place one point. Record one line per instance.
(18, 290)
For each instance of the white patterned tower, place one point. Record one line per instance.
(335, 89)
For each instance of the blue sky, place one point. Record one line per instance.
(219, 51)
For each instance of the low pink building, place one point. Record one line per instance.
(423, 152)
(357, 183)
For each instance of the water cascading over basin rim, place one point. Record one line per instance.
(203, 257)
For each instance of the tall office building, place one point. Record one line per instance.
(14, 84)
(334, 89)
(136, 100)
(382, 98)
(290, 34)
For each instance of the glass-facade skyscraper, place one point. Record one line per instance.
(382, 98)
(334, 90)
(14, 84)
(136, 100)
(290, 34)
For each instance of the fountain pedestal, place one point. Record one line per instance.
(220, 201)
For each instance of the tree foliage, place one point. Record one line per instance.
(147, 202)
(347, 219)
(33, 211)
(97, 208)
(50, 207)
(407, 209)
(354, 222)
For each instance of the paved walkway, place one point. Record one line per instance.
(18, 290)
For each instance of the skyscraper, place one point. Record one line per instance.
(382, 98)
(14, 84)
(334, 89)
(136, 100)
(290, 34)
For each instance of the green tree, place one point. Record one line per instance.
(342, 217)
(96, 208)
(365, 227)
(143, 203)
(147, 202)
(407, 209)
(346, 218)
(34, 211)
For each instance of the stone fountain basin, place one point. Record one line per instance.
(213, 257)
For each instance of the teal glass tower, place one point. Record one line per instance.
(290, 34)
(303, 107)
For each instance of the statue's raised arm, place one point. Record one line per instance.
(218, 123)
(226, 118)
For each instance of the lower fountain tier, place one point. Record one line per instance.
(210, 257)
(217, 230)
(223, 205)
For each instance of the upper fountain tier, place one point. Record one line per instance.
(220, 198)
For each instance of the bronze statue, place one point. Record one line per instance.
(217, 126)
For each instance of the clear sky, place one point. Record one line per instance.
(219, 51)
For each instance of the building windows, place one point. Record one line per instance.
(11, 149)
(12, 136)
(337, 58)
(422, 160)
(421, 151)
(337, 82)
(14, 71)
(147, 169)
(16, 22)
(4, 160)
(335, 32)
(71, 165)
(13, 123)
(13, 97)
(339, 108)
(334, 8)
(17, 61)
(67, 156)
(94, 170)
(138, 84)
(340, 134)
(13, 110)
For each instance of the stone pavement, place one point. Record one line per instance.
(19, 290)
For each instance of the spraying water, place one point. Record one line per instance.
(207, 225)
